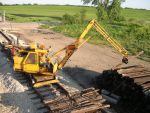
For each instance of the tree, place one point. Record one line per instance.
(101, 12)
(97, 2)
(114, 11)
(1, 3)
(35, 4)
(101, 6)
(106, 8)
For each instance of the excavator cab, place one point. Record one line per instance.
(30, 63)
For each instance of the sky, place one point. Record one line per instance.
(144, 4)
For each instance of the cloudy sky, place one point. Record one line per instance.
(145, 4)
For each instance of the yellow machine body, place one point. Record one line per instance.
(18, 63)
(29, 62)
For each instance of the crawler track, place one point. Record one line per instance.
(59, 98)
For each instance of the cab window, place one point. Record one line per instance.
(32, 59)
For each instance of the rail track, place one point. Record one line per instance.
(61, 98)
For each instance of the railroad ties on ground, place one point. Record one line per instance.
(59, 98)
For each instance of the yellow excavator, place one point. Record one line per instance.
(28, 61)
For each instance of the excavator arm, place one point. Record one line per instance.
(70, 49)
(105, 35)
(112, 41)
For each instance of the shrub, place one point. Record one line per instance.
(69, 19)
(74, 19)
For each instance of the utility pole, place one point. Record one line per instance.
(3, 16)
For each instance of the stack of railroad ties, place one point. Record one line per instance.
(130, 85)
(68, 100)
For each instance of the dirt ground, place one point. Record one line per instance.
(89, 61)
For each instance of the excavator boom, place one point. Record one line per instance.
(70, 49)
(105, 35)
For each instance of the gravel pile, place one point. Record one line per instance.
(13, 96)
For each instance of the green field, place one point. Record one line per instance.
(28, 13)
(133, 33)
(43, 12)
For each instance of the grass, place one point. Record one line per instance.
(42, 12)
(137, 14)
